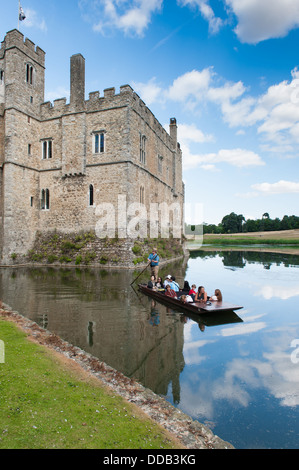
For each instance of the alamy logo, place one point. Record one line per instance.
(295, 353)
(2, 352)
(136, 220)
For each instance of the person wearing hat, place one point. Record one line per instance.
(153, 259)
(167, 280)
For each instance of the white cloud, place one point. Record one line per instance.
(60, 92)
(281, 292)
(267, 189)
(206, 11)
(236, 157)
(190, 133)
(33, 20)
(192, 84)
(281, 187)
(130, 17)
(150, 92)
(243, 329)
(259, 20)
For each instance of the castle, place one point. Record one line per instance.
(59, 162)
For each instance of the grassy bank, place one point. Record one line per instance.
(249, 241)
(47, 405)
(285, 237)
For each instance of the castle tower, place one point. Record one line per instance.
(22, 70)
(23, 74)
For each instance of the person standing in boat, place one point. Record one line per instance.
(153, 259)
(201, 295)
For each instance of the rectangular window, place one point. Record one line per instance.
(141, 195)
(99, 142)
(29, 149)
(47, 149)
(160, 164)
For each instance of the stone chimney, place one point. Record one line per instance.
(77, 97)
(173, 132)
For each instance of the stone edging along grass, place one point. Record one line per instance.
(189, 434)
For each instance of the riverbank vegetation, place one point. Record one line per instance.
(85, 248)
(272, 238)
(45, 404)
(236, 223)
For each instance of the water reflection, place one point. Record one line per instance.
(99, 312)
(233, 372)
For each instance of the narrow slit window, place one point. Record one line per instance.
(91, 195)
(141, 195)
(102, 141)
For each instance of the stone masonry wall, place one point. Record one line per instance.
(26, 123)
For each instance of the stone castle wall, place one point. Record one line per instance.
(27, 124)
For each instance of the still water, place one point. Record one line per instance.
(239, 374)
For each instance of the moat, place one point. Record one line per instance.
(239, 374)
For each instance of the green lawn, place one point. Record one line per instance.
(45, 405)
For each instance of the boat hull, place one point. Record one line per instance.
(193, 307)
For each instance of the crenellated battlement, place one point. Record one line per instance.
(15, 38)
(110, 100)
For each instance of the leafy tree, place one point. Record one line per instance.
(232, 223)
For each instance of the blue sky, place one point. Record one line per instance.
(228, 70)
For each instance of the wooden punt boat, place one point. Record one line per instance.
(193, 307)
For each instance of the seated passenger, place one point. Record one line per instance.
(159, 283)
(186, 287)
(186, 298)
(151, 284)
(217, 296)
(167, 280)
(170, 292)
(174, 285)
(201, 295)
(192, 291)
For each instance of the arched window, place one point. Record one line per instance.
(91, 195)
(45, 199)
(1, 77)
(142, 148)
(29, 74)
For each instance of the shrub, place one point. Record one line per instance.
(52, 258)
(78, 259)
(136, 249)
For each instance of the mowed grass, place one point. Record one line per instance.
(283, 237)
(45, 405)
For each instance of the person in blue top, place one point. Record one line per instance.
(153, 259)
(174, 285)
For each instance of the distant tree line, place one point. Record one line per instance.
(233, 223)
